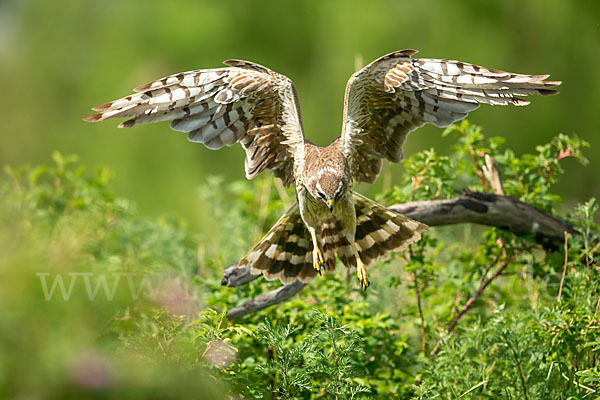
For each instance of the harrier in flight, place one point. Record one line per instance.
(247, 103)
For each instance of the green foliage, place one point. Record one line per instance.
(141, 309)
(323, 361)
(74, 263)
(528, 177)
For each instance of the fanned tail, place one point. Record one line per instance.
(285, 252)
(378, 232)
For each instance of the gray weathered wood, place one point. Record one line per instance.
(234, 276)
(266, 299)
(503, 212)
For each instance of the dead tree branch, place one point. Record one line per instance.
(472, 207)
(503, 212)
(266, 299)
(234, 276)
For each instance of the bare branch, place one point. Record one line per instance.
(562, 278)
(266, 299)
(492, 174)
(420, 309)
(489, 209)
(234, 276)
(473, 207)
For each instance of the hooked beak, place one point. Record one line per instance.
(330, 205)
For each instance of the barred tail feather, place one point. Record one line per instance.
(285, 252)
(379, 231)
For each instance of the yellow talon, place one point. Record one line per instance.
(318, 260)
(361, 272)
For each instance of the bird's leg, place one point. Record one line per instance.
(361, 270)
(318, 261)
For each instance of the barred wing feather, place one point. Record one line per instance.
(245, 103)
(397, 94)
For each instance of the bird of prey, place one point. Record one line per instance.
(247, 103)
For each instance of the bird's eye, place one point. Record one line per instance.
(338, 195)
(321, 195)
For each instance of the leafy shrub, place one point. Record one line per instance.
(141, 313)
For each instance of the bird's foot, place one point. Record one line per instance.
(361, 272)
(318, 261)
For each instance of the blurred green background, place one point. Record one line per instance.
(60, 58)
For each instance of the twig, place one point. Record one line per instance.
(493, 263)
(211, 342)
(469, 303)
(519, 367)
(562, 278)
(475, 166)
(423, 339)
(589, 389)
(473, 298)
(492, 174)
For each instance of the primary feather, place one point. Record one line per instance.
(220, 107)
(397, 94)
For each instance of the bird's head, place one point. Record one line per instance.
(328, 185)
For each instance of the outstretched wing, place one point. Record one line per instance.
(396, 94)
(244, 103)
